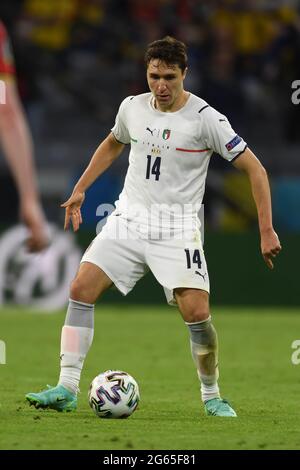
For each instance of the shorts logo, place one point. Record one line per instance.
(202, 275)
(233, 143)
(166, 134)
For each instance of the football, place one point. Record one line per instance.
(114, 394)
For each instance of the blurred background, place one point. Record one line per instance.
(76, 60)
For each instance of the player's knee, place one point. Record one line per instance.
(196, 315)
(80, 292)
(84, 291)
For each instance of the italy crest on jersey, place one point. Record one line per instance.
(166, 134)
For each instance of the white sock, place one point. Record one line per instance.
(76, 339)
(208, 392)
(204, 348)
(75, 343)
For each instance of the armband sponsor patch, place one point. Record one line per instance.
(233, 143)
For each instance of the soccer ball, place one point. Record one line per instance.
(113, 394)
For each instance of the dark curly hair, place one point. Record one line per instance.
(168, 50)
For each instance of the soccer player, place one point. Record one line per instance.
(16, 143)
(155, 226)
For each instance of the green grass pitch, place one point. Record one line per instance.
(257, 376)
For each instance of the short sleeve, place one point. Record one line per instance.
(219, 135)
(120, 130)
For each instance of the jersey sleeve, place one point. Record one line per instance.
(7, 66)
(120, 129)
(220, 137)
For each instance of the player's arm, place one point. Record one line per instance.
(270, 244)
(104, 156)
(17, 147)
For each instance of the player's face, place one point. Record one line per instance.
(166, 83)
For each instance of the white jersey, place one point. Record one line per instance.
(169, 157)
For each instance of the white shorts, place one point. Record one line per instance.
(126, 254)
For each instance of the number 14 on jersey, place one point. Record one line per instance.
(153, 167)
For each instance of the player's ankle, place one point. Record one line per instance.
(70, 387)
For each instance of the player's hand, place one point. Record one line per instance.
(73, 212)
(32, 215)
(270, 246)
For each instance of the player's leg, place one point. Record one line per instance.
(194, 307)
(180, 267)
(78, 330)
(110, 259)
(76, 338)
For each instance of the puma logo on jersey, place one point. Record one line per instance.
(151, 132)
(202, 275)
